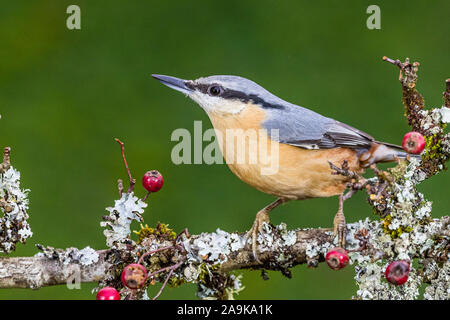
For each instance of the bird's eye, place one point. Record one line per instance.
(215, 90)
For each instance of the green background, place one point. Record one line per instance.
(64, 96)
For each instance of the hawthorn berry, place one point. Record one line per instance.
(134, 276)
(152, 181)
(337, 258)
(397, 272)
(413, 142)
(108, 293)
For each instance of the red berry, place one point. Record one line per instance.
(337, 258)
(397, 272)
(108, 293)
(134, 276)
(152, 181)
(413, 142)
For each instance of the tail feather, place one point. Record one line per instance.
(384, 152)
(398, 151)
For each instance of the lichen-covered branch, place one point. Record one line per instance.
(209, 257)
(412, 99)
(53, 267)
(431, 123)
(14, 227)
(57, 266)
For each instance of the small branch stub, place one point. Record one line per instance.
(4, 166)
(412, 99)
(447, 93)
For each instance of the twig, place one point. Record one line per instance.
(146, 196)
(412, 99)
(163, 285)
(172, 269)
(185, 232)
(345, 171)
(358, 183)
(447, 93)
(4, 166)
(381, 174)
(396, 62)
(120, 187)
(132, 181)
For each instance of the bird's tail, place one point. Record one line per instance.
(384, 152)
(399, 152)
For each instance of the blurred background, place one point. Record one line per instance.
(65, 94)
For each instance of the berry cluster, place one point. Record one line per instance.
(134, 276)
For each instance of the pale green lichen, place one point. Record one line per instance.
(161, 229)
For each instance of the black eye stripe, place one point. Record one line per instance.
(203, 88)
(234, 94)
(190, 85)
(244, 97)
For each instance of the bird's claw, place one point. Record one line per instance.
(261, 218)
(340, 228)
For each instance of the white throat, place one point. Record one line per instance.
(217, 104)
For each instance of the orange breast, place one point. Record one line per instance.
(283, 170)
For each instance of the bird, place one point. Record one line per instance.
(307, 144)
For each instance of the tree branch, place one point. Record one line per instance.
(42, 271)
(56, 266)
(52, 269)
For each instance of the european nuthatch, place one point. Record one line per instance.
(308, 142)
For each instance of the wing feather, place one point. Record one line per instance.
(307, 129)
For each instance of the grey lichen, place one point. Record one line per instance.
(84, 257)
(125, 210)
(235, 286)
(204, 255)
(439, 289)
(213, 247)
(14, 227)
(214, 285)
(445, 114)
(277, 239)
(191, 272)
(406, 230)
(406, 234)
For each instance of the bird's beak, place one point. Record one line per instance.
(174, 83)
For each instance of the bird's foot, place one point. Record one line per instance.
(261, 218)
(340, 228)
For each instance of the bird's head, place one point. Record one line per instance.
(223, 94)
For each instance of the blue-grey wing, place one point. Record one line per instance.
(307, 129)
